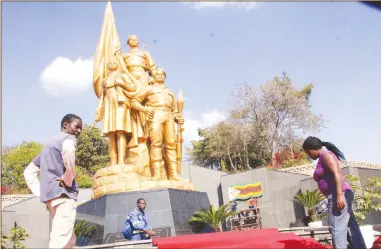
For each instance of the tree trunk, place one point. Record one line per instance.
(231, 162)
(292, 152)
(273, 154)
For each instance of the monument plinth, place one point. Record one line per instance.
(123, 178)
(167, 209)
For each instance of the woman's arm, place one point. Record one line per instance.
(332, 164)
(129, 87)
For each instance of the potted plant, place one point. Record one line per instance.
(83, 231)
(367, 199)
(212, 217)
(310, 199)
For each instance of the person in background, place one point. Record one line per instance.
(339, 193)
(251, 203)
(139, 222)
(233, 205)
(57, 187)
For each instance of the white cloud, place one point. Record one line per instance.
(65, 77)
(191, 125)
(247, 6)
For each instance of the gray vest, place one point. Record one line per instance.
(52, 167)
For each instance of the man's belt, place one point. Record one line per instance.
(136, 65)
(161, 108)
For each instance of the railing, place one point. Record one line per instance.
(321, 233)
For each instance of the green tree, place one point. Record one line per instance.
(367, 198)
(83, 178)
(310, 199)
(262, 122)
(212, 217)
(14, 161)
(92, 150)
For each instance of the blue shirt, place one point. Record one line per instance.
(139, 219)
(234, 206)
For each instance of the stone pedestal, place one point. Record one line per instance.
(169, 208)
(127, 178)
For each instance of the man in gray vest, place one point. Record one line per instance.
(57, 187)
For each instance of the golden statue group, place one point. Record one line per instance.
(139, 116)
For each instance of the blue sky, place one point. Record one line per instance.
(334, 45)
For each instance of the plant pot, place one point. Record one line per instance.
(315, 224)
(368, 235)
(82, 241)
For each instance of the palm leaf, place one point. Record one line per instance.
(310, 199)
(212, 217)
(83, 229)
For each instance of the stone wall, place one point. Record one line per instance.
(279, 188)
(205, 180)
(32, 215)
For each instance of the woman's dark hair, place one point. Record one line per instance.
(314, 143)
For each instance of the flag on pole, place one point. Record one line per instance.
(108, 49)
(244, 192)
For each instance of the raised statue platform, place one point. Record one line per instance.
(123, 178)
(167, 209)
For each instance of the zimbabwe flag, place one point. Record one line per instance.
(244, 192)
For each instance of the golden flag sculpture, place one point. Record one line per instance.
(108, 49)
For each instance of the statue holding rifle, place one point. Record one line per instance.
(160, 107)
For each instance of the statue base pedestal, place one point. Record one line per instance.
(124, 178)
(168, 211)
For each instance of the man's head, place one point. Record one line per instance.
(133, 41)
(141, 203)
(159, 75)
(71, 124)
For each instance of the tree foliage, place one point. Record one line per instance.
(92, 150)
(367, 197)
(17, 235)
(14, 161)
(262, 122)
(4, 241)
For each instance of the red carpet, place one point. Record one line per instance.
(263, 238)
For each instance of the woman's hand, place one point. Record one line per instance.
(340, 202)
